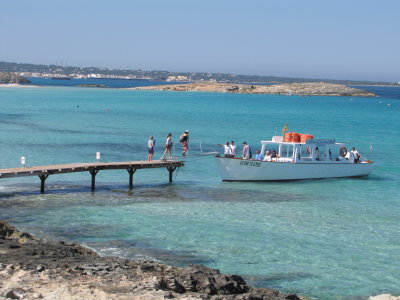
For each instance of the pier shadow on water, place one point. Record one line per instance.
(119, 193)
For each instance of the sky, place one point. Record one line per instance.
(337, 39)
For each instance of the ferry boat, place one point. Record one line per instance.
(305, 158)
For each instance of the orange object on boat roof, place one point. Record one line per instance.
(296, 137)
(305, 137)
(288, 137)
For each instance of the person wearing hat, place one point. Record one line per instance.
(184, 140)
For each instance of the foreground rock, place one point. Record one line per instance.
(384, 297)
(6, 77)
(31, 268)
(302, 89)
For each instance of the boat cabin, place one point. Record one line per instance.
(312, 151)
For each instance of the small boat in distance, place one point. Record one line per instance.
(61, 78)
(301, 158)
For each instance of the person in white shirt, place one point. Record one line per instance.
(267, 156)
(350, 157)
(356, 155)
(233, 149)
(227, 149)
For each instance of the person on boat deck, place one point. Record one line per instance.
(356, 155)
(274, 154)
(168, 146)
(233, 149)
(259, 155)
(227, 149)
(317, 155)
(246, 151)
(184, 140)
(267, 156)
(350, 157)
(150, 146)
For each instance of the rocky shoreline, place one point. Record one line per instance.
(32, 268)
(6, 77)
(301, 89)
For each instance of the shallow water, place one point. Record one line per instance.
(328, 239)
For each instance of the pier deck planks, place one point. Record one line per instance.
(131, 166)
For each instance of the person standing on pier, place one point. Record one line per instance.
(150, 145)
(168, 146)
(184, 140)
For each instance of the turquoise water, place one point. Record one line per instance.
(327, 239)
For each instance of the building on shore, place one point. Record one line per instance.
(177, 78)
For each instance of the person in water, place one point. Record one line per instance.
(150, 148)
(168, 146)
(184, 140)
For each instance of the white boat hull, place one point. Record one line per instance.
(235, 169)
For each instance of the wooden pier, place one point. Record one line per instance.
(43, 172)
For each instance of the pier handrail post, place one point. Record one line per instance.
(131, 172)
(94, 173)
(43, 178)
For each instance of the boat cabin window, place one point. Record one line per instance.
(320, 153)
(305, 152)
(333, 153)
(286, 151)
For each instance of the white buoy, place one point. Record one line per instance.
(98, 156)
(23, 161)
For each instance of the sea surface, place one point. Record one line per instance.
(105, 82)
(326, 239)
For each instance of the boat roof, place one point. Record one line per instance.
(317, 142)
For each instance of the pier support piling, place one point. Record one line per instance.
(171, 171)
(131, 172)
(42, 181)
(93, 173)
